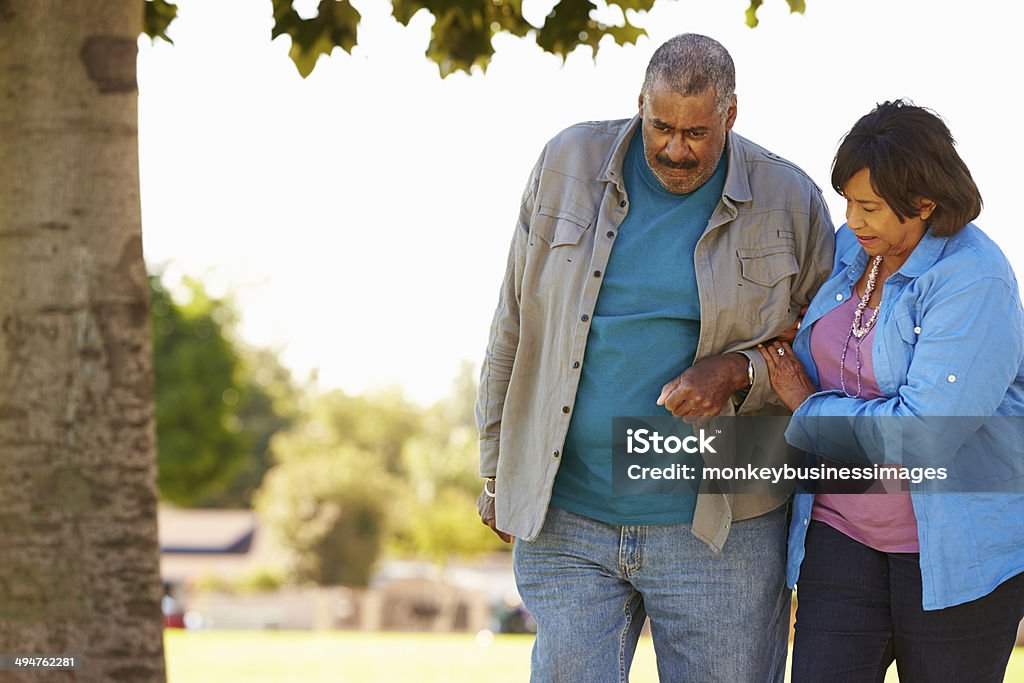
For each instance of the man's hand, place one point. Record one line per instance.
(485, 506)
(705, 386)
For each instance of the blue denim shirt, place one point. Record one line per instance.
(949, 341)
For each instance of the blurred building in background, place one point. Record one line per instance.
(223, 571)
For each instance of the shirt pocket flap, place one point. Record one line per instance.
(907, 326)
(768, 265)
(559, 226)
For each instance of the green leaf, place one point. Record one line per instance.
(463, 29)
(567, 26)
(795, 6)
(508, 15)
(460, 39)
(158, 16)
(626, 34)
(404, 10)
(752, 13)
(335, 25)
(635, 5)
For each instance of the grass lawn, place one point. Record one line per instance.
(347, 657)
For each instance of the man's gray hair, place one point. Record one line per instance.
(691, 63)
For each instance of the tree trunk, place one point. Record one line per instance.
(79, 564)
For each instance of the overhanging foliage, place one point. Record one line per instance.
(463, 30)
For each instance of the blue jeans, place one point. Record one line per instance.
(589, 585)
(859, 608)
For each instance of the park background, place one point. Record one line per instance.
(325, 255)
(368, 249)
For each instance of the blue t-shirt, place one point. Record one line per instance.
(643, 333)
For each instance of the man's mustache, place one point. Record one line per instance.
(682, 165)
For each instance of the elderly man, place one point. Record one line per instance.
(650, 258)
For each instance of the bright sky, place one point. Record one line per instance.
(361, 217)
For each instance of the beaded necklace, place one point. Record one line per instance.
(858, 330)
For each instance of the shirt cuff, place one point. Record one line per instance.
(760, 392)
(488, 458)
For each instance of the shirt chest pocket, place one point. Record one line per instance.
(901, 346)
(558, 227)
(906, 324)
(558, 250)
(764, 282)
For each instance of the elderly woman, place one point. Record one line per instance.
(920, 323)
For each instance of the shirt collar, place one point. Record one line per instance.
(737, 180)
(924, 256)
(613, 169)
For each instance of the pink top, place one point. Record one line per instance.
(883, 521)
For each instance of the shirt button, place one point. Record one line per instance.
(565, 409)
(584, 317)
(597, 273)
(951, 378)
(805, 521)
(917, 330)
(576, 365)
(839, 297)
(623, 203)
(610, 234)
(555, 454)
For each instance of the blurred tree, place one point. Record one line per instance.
(330, 498)
(269, 404)
(441, 528)
(359, 474)
(442, 454)
(462, 34)
(329, 511)
(376, 424)
(217, 402)
(436, 516)
(199, 436)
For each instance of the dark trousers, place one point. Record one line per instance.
(858, 609)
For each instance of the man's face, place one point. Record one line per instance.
(683, 136)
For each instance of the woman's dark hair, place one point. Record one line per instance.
(910, 155)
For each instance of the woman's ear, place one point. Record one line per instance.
(926, 208)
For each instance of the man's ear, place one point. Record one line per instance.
(640, 105)
(730, 114)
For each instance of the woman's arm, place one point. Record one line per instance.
(967, 353)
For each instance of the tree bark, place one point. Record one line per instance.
(79, 561)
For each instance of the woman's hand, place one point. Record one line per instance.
(786, 373)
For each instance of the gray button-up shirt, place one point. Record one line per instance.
(767, 248)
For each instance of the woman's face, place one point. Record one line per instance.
(876, 225)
